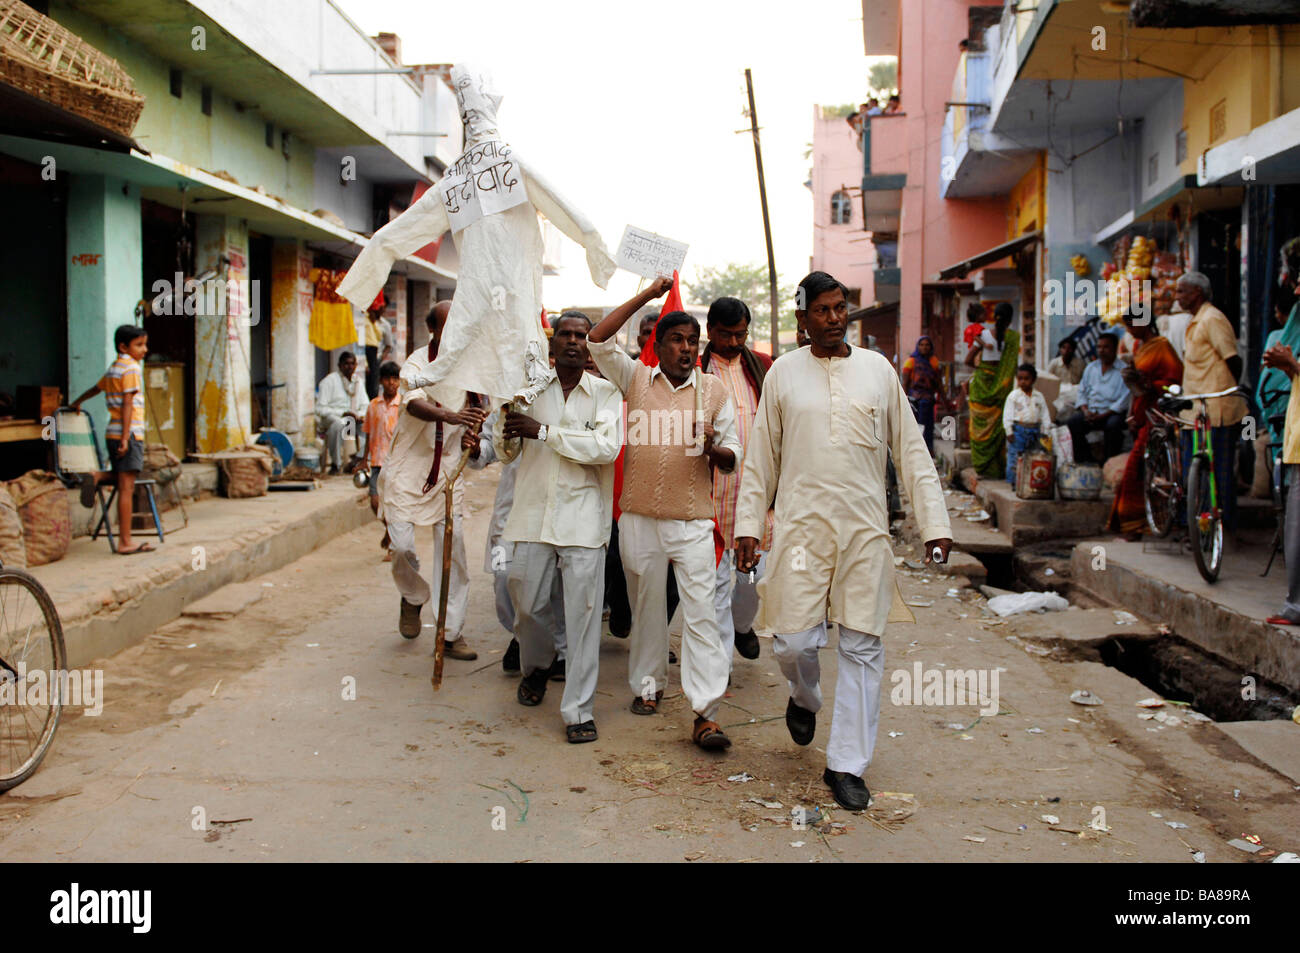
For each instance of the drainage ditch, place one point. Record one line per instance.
(1169, 665)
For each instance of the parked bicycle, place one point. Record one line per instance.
(31, 658)
(1166, 494)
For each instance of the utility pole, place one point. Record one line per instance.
(767, 225)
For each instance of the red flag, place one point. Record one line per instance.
(671, 303)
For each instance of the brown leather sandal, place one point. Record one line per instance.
(708, 735)
(646, 706)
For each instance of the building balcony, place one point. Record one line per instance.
(884, 172)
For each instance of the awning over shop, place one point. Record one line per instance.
(996, 253)
(174, 183)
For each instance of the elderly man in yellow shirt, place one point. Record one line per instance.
(1281, 357)
(1211, 364)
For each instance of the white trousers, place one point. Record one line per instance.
(411, 582)
(646, 545)
(735, 599)
(857, 691)
(506, 608)
(580, 571)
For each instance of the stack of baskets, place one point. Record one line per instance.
(45, 60)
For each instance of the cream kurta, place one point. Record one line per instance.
(819, 448)
(407, 467)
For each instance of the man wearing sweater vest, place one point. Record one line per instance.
(667, 506)
(828, 419)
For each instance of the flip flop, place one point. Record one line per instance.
(142, 548)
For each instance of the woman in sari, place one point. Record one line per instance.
(923, 384)
(1155, 366)
(995, 354)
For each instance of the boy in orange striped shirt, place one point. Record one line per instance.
(123, 387)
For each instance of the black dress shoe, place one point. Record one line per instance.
(557, 670)
(801, 722)
(747, 644)
(850, 790)
(510, 661)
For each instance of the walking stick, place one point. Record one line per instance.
(446, 571)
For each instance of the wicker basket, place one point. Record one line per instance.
(45, 60)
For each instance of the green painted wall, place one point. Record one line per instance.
(103, 220)
(227, 141)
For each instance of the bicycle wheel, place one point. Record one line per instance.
(1160, 463)
(1204, 523)
(31, 656)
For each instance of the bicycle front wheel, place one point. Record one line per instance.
(1204, 521)
(1160, 467)
(31, 660)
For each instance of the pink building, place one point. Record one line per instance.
(840, 244)
(916, 230)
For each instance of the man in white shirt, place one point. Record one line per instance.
(667, 506)
(1025, 418)
(828, 420)
(341, 404)
(560, 522)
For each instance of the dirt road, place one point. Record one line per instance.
(304, 728)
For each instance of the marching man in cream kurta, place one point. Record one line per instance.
(667, 506)
(828, 418)
(426, 447)
(560, 522)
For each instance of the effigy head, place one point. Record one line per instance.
(478, 100)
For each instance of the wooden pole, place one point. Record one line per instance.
(441, 634)
(767, 225)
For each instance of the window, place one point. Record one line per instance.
(175, 80)
(1218, 120)
(205, 100)
(270, 136)
(1180, 147)
(841, 208)
(1153, 168)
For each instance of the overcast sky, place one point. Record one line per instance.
(631, 110)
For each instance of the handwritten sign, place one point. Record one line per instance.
(484, 180)
(649, 255)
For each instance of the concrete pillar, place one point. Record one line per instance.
(223, 389)
(293, 358)
(397, 310)
(421, 301)
(105, 277)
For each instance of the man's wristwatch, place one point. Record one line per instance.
(541, 432)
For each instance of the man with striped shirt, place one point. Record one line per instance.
(742, 370)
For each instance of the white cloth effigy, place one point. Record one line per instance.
(493, 342)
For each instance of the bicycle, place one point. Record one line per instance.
(31, 644)
(1165, 493)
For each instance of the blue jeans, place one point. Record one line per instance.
(1020, 439)
(1223, 441)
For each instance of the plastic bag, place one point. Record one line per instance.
(1016, 602)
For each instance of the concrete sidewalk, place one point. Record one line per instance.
(108, 602)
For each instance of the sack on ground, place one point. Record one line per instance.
(1112, 471)
(247, 474)
(13, 552)
(160, 463)
(42, 503)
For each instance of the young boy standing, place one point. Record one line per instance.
(380, 422)
(123, 387)
(1025, 418)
